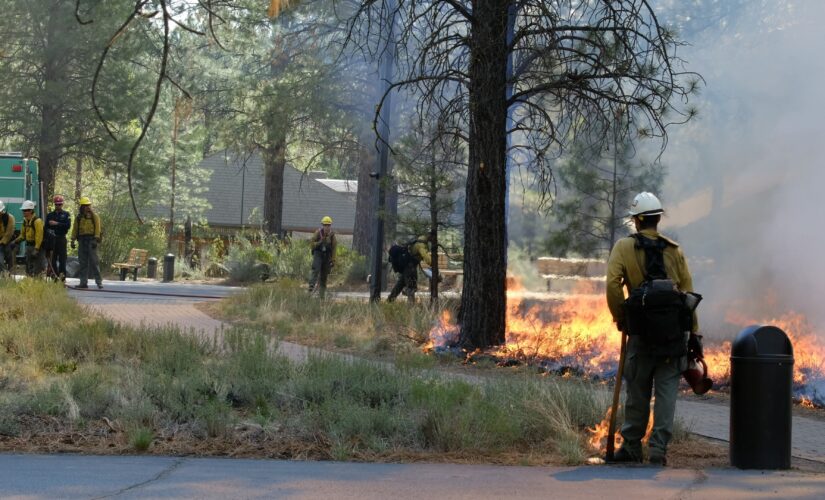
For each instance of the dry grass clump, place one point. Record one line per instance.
(285, 309)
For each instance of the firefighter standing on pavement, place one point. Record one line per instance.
(32, 234)
(6, 236)
(323, 245)
(644, 369)
(60, 222)
(86, 231)
(419, 251)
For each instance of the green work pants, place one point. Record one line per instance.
(87, 255)
(644, 374)
(35, 261)
(321, 267)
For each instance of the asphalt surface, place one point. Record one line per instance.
(65, 476)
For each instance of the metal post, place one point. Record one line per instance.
(382, 176)
(512, 11)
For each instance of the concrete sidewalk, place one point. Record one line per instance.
(705, 419)
(78, 476)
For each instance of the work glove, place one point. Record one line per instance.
(695, 346)
(74, 244)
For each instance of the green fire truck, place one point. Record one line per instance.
(20, 181)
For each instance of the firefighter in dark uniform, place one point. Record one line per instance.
(644, 370)
(323, 245)
(32, 234)
(86, 231)
(60, 222)
(419, 251)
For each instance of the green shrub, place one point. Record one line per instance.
(140, 438)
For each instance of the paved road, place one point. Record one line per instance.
(168, 306)
(22, 476)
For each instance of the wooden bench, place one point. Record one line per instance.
(137, 259)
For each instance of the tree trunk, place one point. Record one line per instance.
(51, 113)
(434, 239)
(274, 156)
(78, 177)
(483, 299)
(363, 233)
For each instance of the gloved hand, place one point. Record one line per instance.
(695, 346)
(74, 244)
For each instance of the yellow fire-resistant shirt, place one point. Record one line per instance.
(6, 230)
(625, 271)
(86, 225)
(420, 250)
(326, 238)
(32, 232)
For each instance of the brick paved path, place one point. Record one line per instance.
(710, 420)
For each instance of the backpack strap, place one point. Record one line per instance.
(654, 257)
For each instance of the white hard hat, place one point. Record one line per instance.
(645, 204)
(27, 205)
(2, 207)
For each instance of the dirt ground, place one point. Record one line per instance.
(48, 435)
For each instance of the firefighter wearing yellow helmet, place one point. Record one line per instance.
(87, 232)
(654, 359)
(323, 245)
(32, 234)
(6, 237)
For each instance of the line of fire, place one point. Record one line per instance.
(571, 333)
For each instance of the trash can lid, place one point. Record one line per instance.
(153, 259)
(758, 341)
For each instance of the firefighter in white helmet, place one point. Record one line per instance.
(644, 256)
(6, 238)
(32, 234)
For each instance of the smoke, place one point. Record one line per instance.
(746, 187)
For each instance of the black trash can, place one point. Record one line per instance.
(761, 378)
(152, 268)
(168, 267)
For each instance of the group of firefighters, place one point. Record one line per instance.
(46, 240)
(659, 345)
(323, 245)
(650, 363)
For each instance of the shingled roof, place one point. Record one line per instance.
(236, 191)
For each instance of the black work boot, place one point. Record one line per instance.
(625, 456)
(657, 457)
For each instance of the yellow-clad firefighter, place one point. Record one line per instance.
(652, 362)
(6, 238)
(405, 262)
(32, 234)
(323, 245)
(86, 231)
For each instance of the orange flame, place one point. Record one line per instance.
(598, 434)
(577, 331)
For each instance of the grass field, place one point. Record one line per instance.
(72, 381)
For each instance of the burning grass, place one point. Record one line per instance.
(576, 336)
(74, 382)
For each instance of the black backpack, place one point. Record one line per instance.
(400, 256)
(49, 237)
(656, 310)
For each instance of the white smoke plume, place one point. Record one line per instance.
(746, 186)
